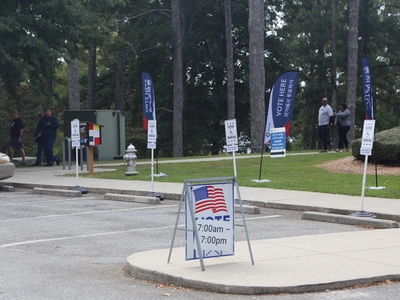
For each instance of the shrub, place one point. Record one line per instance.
(386, 148)
(297, 144)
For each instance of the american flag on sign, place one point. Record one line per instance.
(210, 197)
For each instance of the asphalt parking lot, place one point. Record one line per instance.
(56, 247)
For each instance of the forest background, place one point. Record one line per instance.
(210, 60)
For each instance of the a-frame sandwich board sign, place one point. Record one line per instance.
(209, 223)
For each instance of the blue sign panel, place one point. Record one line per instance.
(278, 142)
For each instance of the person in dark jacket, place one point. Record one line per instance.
(16, 133)
(48, 126)
(343, 123)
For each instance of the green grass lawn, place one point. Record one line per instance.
(293, 172)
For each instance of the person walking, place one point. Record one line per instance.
(16, 134)
(38, 140)
(325, 120)
(343, 123)
(48, 126)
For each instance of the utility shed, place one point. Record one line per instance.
(112, 130)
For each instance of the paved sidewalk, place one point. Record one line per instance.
(273, 198)
(285, 265)
(297, 264)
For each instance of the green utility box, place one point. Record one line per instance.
(112, 124)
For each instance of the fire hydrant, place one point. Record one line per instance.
(130, 160)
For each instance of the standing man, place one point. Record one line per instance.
(16, 133)
(48, 126)
(325, 121)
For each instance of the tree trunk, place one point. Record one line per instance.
(229, 60)
(334, 25)
(352, 64)
(73, 85)
(256, 73)
(178, 77)
(334, 85)
(121, 63)
(91, 78)
(49, 88)
(119, 80)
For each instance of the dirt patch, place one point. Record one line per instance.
(352, 166)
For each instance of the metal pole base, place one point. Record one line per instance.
(131, 173)
(81, 189)
(260, 180)
(362, 214)
(158, 175)
(376, 188)
(154, 194)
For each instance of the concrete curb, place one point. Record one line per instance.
(7, 188)
(132, 198)
(299, 207)
(156, 276)
(174, 196)
(348, 220)
(248, 209)
(169, 196)
(57, 192)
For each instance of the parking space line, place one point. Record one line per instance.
(264, 217)
(85, 236)
(87, 213)
(47, 201)
(14, 193)
(109, 233)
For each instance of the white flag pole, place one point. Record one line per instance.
(77, 168)
(232, 146)
(234, 164)
(152, 170)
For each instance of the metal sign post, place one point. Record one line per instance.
(277, 147)
(151, 144)
(232, 141)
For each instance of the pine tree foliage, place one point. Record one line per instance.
(37, 38)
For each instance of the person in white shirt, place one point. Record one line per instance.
(325, 120)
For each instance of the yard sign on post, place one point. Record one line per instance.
(151, 144)
(231, 140)
(366, 149)
(75, 139)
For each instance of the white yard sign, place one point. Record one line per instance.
(231, 136)
(213, 206)
(367, 140)
(75, 133)
(152, 134)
